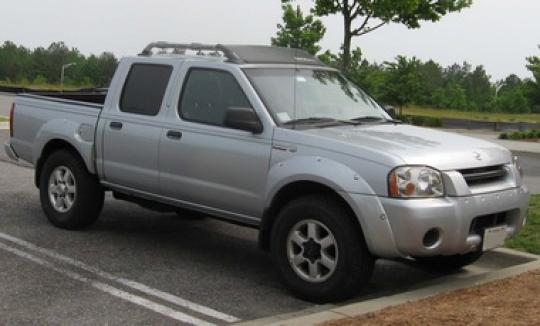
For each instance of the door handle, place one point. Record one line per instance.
(173, 134)
(116, 125)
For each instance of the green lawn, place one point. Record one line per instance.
(529, 238)
(3, 119)
(485, 116)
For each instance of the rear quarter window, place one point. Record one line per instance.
(144, 89)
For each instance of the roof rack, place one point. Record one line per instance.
(243, 54)
(230, 55)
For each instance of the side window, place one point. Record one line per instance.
(207, 94)
(144, 89)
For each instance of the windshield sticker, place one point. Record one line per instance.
(283, 117)
(301, 79)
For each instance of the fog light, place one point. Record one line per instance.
(431, 238)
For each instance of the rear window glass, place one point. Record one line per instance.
(144, 89)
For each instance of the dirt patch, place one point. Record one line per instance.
(514, 301)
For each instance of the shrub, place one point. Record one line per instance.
(433, 122)
(516, 135)
(425, 121)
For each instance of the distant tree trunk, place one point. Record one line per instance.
(347, 38)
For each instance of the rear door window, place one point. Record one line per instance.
(144, 89)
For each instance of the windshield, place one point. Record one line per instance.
(307, 95)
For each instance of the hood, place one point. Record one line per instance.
(422, 146)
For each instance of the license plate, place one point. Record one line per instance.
(494, 237)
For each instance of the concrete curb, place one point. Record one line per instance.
(4, 125)
(321, 314)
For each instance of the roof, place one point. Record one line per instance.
(240, 54)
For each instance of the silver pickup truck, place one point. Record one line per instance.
(273, 139)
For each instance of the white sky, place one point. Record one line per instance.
(496, 33)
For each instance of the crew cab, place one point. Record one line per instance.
(273, 139)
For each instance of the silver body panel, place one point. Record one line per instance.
(235, 174)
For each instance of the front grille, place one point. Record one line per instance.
(479, 224)
(484, 174)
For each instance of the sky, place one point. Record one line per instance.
(498, 34)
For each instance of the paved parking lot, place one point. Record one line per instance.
(137, 266)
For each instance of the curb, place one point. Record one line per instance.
(4, 125)
(438, 286)
(521, 153)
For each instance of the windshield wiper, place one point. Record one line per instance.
(320, 120)
(369, 118)
(375, 118)
(308, 121)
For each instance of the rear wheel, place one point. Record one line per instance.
(319, 250)
(71, 197)
(450, 263)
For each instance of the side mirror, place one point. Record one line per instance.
(391, 111)
(243, 119)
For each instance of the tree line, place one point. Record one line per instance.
(400, 82)
(406, 81)
(42, 66)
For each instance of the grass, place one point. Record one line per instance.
(529, 238)
(484, 116)
(3, 119)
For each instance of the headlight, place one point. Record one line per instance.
(415, 182)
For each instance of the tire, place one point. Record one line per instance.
(353, 263)
(450, 263)
(72, 183)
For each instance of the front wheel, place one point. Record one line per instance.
(71, 197)
(319, 250)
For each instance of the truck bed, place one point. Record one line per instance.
(83, 100)
(86, 97)
(38, 119)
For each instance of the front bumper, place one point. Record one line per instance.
(397, 228)
(10, 152)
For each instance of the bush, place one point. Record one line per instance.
(519, 135)
(425, 121)
(433, 122)
(516, 135)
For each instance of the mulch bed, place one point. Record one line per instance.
(513, 301)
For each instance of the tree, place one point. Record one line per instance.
(403, 82)
(478, 89)
(511, 96)
(361, 17)
(19, 65)
(432, 82)
(533, 90)
(299, 32)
